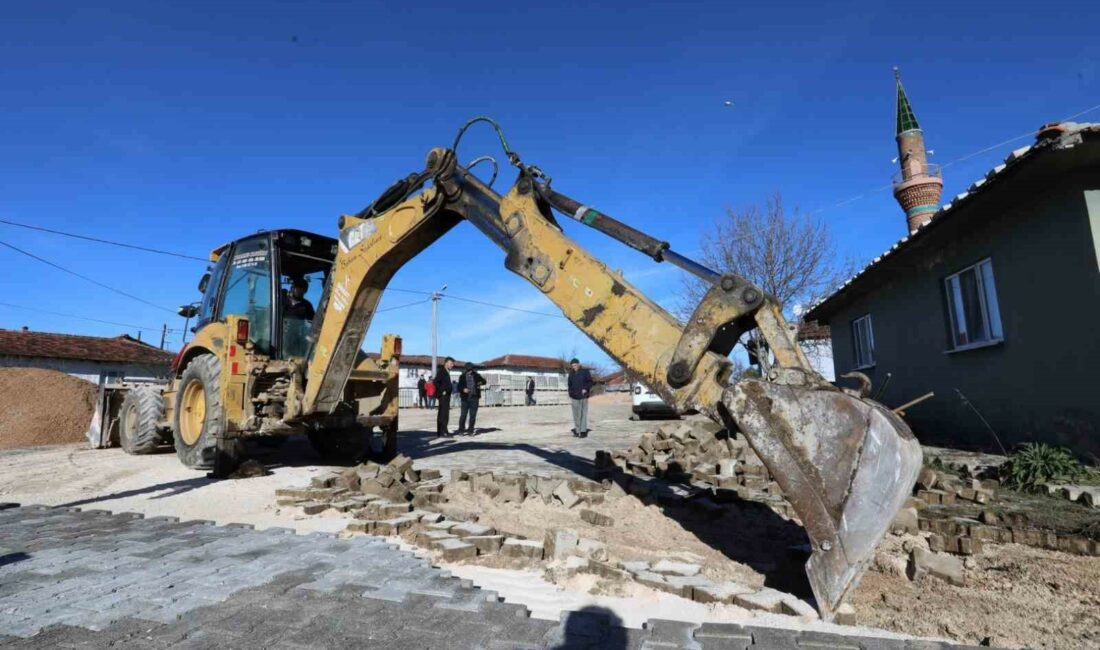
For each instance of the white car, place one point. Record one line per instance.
(648, 404)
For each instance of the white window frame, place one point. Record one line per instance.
(988, 303)
(857, 348)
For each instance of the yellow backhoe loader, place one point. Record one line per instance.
(845, 463)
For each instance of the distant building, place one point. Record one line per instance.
(616, 382)
(93, 358)
(989, 302)
(817, 344)
(505, 376)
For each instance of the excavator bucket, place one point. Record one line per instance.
(845, 464)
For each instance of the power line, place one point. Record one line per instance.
(94, 320)
(411, 304)
(489, 304)
(85, 278)
(102, 241)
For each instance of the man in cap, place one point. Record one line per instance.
(580, 385)
(469, 390)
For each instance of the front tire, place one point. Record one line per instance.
(141, 412)
(200, 419)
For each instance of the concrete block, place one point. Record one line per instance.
(443, 526)
(845, 615)
(454, 550)
(792, 606)
(412, 476)
(684, 586)
(670, 567)
(566, 495)
(425, 538)
(574, 564)
(326, 480)
(766, 600)
(426, 516)
(634, 567)
(430, 474)
(471, 529)
(592, 549)
(395, 526)
(559, 543)
(524, 548)
(651, 580)
(361, 526)
(944, 567)
(313, 507)
(722, 592)
(596, 518)
(485, 543)
(344, 506)
(401, 463)
(906, 521)
(459, 475)
(511, 492)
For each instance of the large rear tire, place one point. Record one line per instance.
(200, 419)
(142, 410)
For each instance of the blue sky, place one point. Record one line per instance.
(184, 125)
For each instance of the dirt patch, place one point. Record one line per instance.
(43, 407)
(1015, 595)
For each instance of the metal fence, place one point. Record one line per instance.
(407, 397)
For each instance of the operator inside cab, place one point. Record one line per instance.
(295, 304)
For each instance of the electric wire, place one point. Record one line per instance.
(94, 320)
(85, 278)
(410, 304)
(101, 241)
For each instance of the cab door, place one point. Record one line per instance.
(249, 291)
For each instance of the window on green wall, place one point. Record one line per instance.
(863, 342)
(973, 312)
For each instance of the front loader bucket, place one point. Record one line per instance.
(846, 465)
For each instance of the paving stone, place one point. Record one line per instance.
(313, 507)
(723, 636)
(454, 550)
(671, 567)
(766, 599)
(566, 495)
(722, 592)
(605, 570)
(426, 537)
(559, 543)
(471, 529)
(944, 567)
(524, 548)
(634, 566)
(596, 518)
(485, 544)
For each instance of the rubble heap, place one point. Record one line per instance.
(701, 454)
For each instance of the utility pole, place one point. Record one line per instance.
(436, 295)
(163, 334)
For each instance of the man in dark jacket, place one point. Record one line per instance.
(469, 390)
(580, 384)
(422, 392)
(443, 389)
(530, 391)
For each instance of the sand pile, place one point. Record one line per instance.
(43, 407)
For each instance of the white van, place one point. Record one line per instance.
(648, 404)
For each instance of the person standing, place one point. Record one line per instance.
(530, 391)
(443, 387)
(580, 384)
(429, 392)
(469, 391)
(422, 391)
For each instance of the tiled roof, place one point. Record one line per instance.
(1051, 136)
(813, 331)
(523, 361)
(615, 378)
(120, 349)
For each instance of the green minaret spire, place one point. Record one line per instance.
(907, 120)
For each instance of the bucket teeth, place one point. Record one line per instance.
(845, 464)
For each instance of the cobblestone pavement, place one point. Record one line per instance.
(91, 579)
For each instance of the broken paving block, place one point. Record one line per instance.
(906, 521)
(592, 549)
(684, 586)
(566, 495)
(670, 567)
(430, 474)
(605, 570)
(292, 493)
(596, 518)
(722, 592)
(845, 615)
(344, 506)
(391, 509)
(634, 566)
(412, 476)
(445, 526)
(574, 564)
(651, 580)
(766, 600)
(426, 516)
(326, 480)
(454, 550)
(525, 548)
(792, 606)
(401, 463)
(559, 543)
(485, 543)
(511, 491)
(394, 526)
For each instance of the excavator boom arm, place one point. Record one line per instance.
(846, 464)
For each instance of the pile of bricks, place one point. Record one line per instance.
(702, 455)
(965, 535)
(379, 489)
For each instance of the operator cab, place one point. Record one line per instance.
(280, 313)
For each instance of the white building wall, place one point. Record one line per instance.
(504, 386)
(93, 371)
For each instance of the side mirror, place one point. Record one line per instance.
(188, 311)
(203, 282)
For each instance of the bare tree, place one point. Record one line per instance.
(792, 256)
